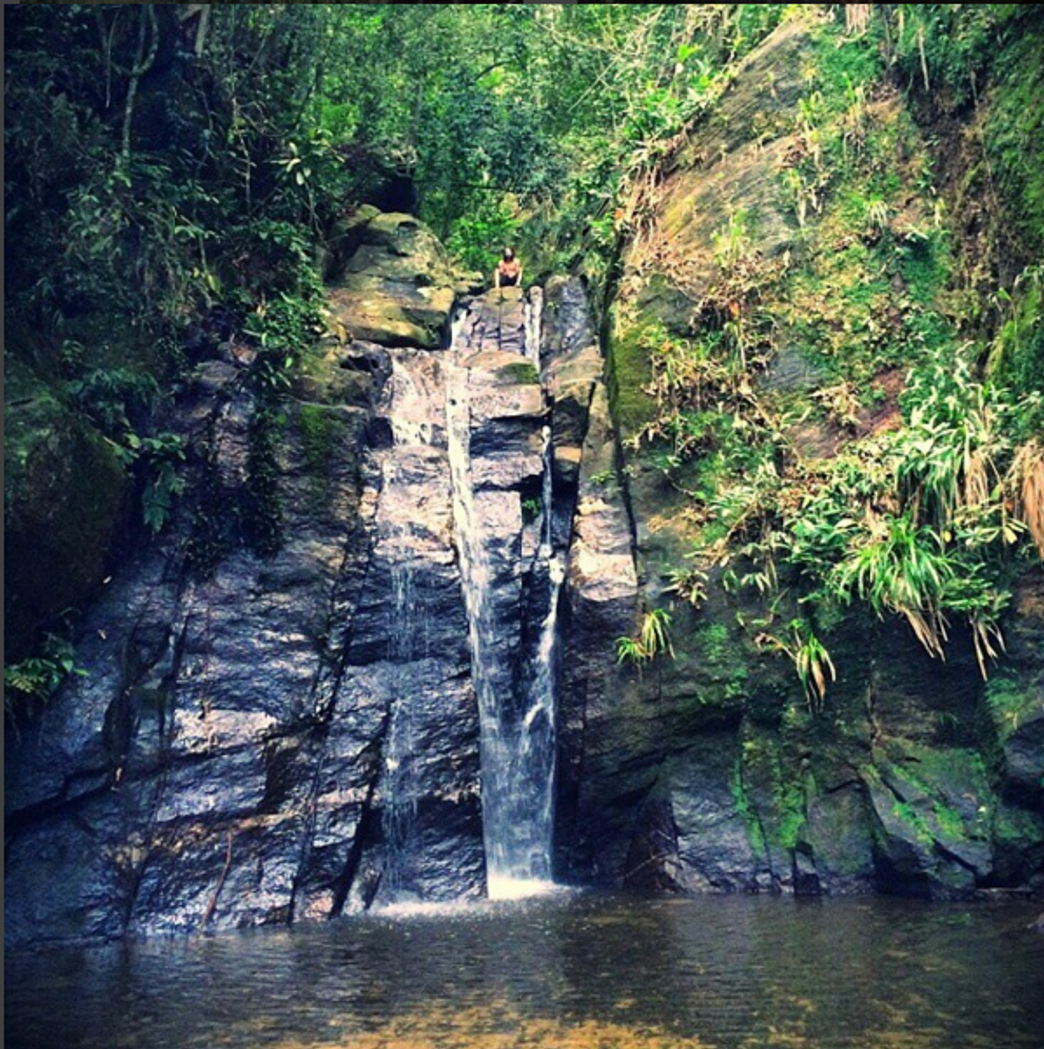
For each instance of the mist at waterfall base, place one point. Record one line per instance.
(577, 970)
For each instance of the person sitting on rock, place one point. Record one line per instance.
(509, 270)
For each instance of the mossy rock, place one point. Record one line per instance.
(934, 809)
(1014, 137)
(335, 375)
(1018, 843)
(389, 321)
(629, 372)
(63, 491)
(343, 241)
(397, 288)
(838, 833)
(516, 373)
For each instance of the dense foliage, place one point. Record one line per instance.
(906, 475)
(172, 172)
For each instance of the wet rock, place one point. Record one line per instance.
(496, 322)
(718, 846)
(1023, 747)
(596, 800)
(1018, 846)
(566, 321)
(837, 840)
(78, 893)
(268, 738)
(932, 828)
(653, 862)
(602, 569)
(145, 770)
(572, 379)
(1015, 696)
(805, 875)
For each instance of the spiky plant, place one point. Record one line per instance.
(654, 639)
(810, 658)
(656, 633)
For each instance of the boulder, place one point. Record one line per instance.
(397, 288)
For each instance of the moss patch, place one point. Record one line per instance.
(521, 372)
(629, 372)
(1010, 702)
(1014, 138)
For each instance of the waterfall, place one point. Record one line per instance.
(547, 500)
(399, 812)
(410, 399)
(533, 314)
(411, 425)
(516, 710)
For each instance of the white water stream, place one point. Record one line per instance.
(517, 731)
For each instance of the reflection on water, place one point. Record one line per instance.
(576, 971)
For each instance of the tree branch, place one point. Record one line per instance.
(142, 64)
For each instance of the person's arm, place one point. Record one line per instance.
(496, 276)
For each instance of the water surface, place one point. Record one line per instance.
(567, 970)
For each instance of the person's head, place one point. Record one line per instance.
(508, 254)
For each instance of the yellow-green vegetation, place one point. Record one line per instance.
(904, 811)
(520, 372)
(780, 820)
(746, 810)
(319, 428)
(1017, 356)
(898, 473)
(653, 639)
(33, 679)
(933, 787)
(842, 398)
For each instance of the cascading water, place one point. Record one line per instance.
(400, 808)
(516, 712)
(547, 501)
(413, 390)
(534, 309)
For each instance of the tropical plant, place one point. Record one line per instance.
(630, 650)
(655, 633)
(654, 639)
(810, 658)
(690, 584)
(32, 680)
(162, 455)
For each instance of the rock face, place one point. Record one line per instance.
(269, 736)
(288, 707)
(707, 772)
